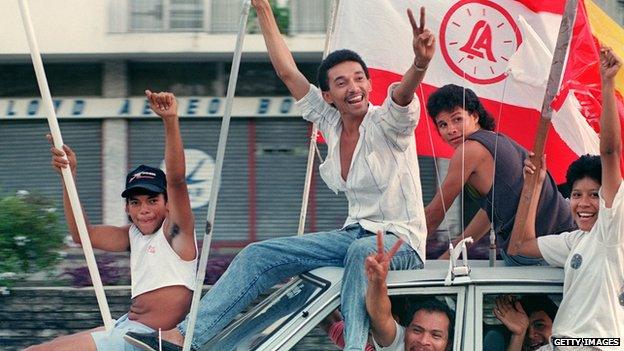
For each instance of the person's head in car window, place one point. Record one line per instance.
(431, 327)
(529, 320)
(541, 311)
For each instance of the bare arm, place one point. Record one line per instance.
(610, 137)
(523, 241)
(453, 183)
(424, 48)
(280, 55)
(383, 326)
(103, 237)
(180, 224)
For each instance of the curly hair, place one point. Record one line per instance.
(586, 166)
(451, 96)
(333, 59)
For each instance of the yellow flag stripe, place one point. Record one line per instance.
(609, 33)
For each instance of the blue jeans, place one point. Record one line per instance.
(263, 264)
(520, 260)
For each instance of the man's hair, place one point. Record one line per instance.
(539, 302)
(586, 166)
(430, 305)
(451, 96)
(333, 59)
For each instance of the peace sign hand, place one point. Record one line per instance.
(377, 265)
(423, 42)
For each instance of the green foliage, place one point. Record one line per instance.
(282, 17)
(30, 235)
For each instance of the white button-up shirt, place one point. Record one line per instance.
(383, 184)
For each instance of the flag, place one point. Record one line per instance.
(529, 76)
(475, 41)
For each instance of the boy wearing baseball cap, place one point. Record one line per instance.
(160, 237)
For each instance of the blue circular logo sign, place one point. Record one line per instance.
(199, 171)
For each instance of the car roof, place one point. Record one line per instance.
(435, 272)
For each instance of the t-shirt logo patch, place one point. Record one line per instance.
(577, 261)
(151, 249)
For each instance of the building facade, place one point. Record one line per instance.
(99, 58)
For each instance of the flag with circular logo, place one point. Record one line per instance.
(475, 41)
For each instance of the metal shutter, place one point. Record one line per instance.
(428, 180)
(25, 161)
(281, 156)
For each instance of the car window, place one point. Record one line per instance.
(328, 334)
(257, 325)
(535, 310)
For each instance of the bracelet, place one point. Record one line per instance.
(421, 69)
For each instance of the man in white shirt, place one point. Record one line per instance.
(431, 327)
(371, 158)
(593, 255)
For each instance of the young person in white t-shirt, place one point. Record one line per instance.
(160, 238)
(593, 255)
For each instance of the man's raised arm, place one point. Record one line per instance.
(383, 326)
(424, 47)
(280, 55)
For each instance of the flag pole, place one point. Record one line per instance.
(552, 87)
(68, 179)
(314, 134)
(216, 179)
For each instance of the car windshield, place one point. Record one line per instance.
(257, 326)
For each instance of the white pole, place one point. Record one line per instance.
(314, 134)
(216, 180)
(68, 179)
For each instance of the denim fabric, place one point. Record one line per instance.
(264, 264)
(519, 260)
(113, 340)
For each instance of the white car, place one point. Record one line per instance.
(290, 317)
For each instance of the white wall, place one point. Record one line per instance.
(80, 27)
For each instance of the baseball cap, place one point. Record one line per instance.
(145, 177)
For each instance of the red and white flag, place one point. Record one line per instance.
(475, 41)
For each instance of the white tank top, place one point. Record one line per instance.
(154, 264)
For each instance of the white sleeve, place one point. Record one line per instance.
(399, 122)
(397, 343)
(316, 110)
(556, 248)
(611, 220)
